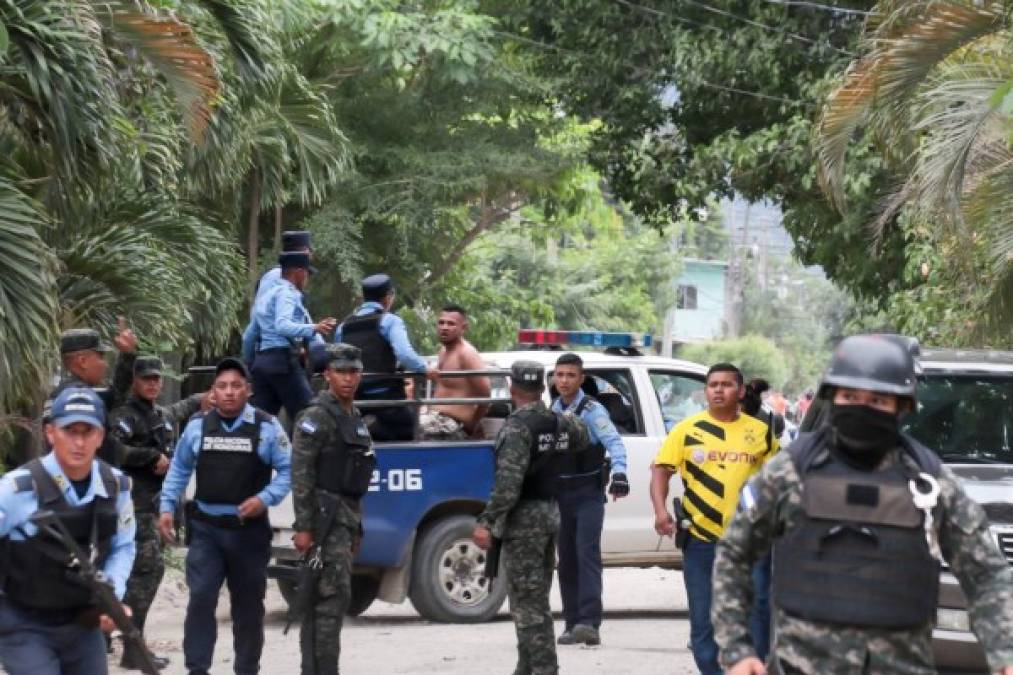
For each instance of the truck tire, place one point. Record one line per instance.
(448, 582)
(364, 590)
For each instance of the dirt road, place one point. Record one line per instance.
(645, 631)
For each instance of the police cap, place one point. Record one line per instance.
(78, 404)
(82, 339)
(232, 363)
(529, 375)
(342, 356)
(879, 363)
(145, 366)
(376, 286)
(295, 260)
(295, 240)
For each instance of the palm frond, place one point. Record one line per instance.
(27, 300)
(171, 47)
(879, 87)
(238, 20)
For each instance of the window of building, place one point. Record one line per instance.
(686, 297)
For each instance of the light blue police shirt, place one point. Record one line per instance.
(393, 330)
(268, 281)
(599, 427)
(279, 319)
(274, 449)
(16, 509)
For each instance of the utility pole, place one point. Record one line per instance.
(668, 333)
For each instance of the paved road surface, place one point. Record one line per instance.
(646, 631)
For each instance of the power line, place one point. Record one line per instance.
(815, 5)
(640, 69)
(715, 10)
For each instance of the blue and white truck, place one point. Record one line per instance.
(422, 503)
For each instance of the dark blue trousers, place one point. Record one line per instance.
(581, 511)
(32, 646)
(279, 380)
(697, 572)
(239, 558)
(392, 424)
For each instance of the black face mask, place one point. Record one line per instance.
(864, 434)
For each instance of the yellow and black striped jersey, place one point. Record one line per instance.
(715, 459)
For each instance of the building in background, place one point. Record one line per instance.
(700, 309)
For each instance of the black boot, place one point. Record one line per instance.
(132, 659)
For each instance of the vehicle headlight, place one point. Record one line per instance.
(953, 619)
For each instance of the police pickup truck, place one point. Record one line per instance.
(424, 496)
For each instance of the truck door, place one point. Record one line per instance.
(627, 521)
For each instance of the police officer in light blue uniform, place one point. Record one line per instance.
(383, 339)
(233, 449)
(297, 241)
(580, 493)
(286, 334)
(49, 623)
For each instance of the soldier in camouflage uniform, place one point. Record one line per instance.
(332, 464)
(856, 560)
(82, 353)
(522, 511)
(147, 432)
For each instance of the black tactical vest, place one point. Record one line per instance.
(345, 466)
(38, 571)
(858, 556)
(549, 444)
(377, 354)
(151, 429)
(229, 468)
(579, 463)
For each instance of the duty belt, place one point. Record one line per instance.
(227, 521)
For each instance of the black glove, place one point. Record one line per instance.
(620, 486)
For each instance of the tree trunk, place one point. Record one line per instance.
(490, 217)
(253, 233)
(278, 220)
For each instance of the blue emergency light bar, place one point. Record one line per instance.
(590, 338)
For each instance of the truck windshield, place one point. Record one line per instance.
(965, 418)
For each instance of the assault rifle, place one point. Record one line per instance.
(108, 603)
(311, 564)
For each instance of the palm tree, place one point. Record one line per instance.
(932, 91)
(101, 101)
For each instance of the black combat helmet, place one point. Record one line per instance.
(880, 363)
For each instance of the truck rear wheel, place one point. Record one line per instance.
(448, 582)
(364, 590)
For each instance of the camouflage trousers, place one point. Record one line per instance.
(149, 567)
(320, 633)
(435, 426)
(529, 565)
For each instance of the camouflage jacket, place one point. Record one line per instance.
(146, 432)
(314, 430)
(966, 543)
(505, 514)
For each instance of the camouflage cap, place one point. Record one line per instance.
(528, 375)
(342, 356)
(146, 366)
(82, 339)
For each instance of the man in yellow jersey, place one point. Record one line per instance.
(715, 452)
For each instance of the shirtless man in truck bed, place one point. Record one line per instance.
(455, 422)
